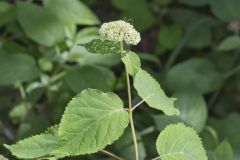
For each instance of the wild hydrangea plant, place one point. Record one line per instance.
(95, 119)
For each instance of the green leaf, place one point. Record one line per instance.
(193, 109)
(200, 38)
(169, 36)
(99, 46)
(42, 26)
(90, 77)
(194, 3)
(132, 63)
(17, 68)
(45, 64)
(141, 15)
(150, 91)
(228, 128)
(36, 146)
(91, 121)
(193, 112)
(181, 143)
(73, 11)
(82, 56)
(7, 13)
(224, 151)
(229, 43)
(226, 10)
(3, 158)
(19, 112)
(195, 74)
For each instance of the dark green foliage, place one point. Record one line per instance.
(50, 51)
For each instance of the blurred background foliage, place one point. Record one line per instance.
(190, 46)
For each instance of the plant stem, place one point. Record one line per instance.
(112, 155)
(130, 109)
(58, 76)
(157, 158)
(233, 71)
(22, 91)
(138, 104)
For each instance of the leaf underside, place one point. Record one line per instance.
(92, 120)
(150, 91)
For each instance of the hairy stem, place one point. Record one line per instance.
(111, 155)
(130, 110)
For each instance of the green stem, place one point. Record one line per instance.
(58, 76)
(130, 110)
(233, 71)
(111, 155)
(22, 91)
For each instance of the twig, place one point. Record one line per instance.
(112, 155)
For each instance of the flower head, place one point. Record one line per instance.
(120, 31)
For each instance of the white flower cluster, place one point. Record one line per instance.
(120, 31)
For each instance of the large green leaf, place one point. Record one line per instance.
(73, 11)
(194, 74)
(228, 128)
(169, 36)
(99, 46)
(224, 151)
(42, 26)
(36, 146)
(150, 91)
(132, 63)
(193, 112)
(193, 109)
(180, 143)
(226, 10)
(91, 121)
(17, 68)
(7, 13)
(141, 15)
(90, 77)
(229, 43)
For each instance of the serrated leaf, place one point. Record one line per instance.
(36, 146)
(229, 43)
(42, 26)
(91, 121)
(180, 143)
(224, 151)
(99, 46)
(150, 91)
(73, 11)
(17, 68)
(132, 63)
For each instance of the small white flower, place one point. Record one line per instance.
(120, 31)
